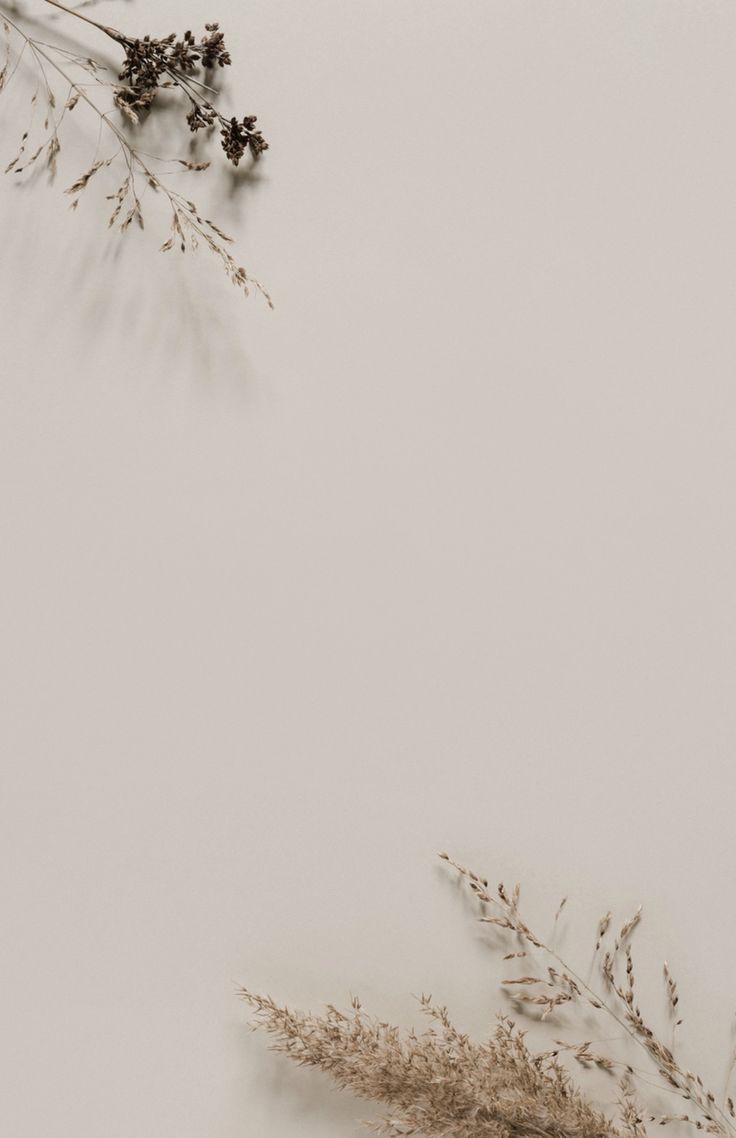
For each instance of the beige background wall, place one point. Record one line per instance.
(439, 553)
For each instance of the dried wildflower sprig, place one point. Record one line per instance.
(149, 66)
(443, 1084)
(175, 62)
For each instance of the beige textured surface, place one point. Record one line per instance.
(440, 553)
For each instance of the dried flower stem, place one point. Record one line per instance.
(149, 64)
(87, 19)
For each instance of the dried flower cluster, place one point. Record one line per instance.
(183, 65)
(151, 64)
(440, 1083)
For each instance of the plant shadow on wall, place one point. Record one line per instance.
(303, 1106)
(604, 1070)
(145, 112)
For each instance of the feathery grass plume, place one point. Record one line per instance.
(184, 66)
(440, 1083)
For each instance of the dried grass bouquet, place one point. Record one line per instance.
(184, 67)
(443, 1084)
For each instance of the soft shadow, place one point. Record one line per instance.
(297, 1098)
(185, 319)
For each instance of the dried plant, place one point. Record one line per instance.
(181, 65)
(440, 1083)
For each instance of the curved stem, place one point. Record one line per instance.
(111, 32)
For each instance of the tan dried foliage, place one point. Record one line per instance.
(441, 1083)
